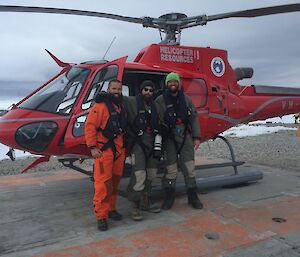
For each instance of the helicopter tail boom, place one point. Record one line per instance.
(269, 101)
(276, 90)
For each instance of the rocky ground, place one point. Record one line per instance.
(280, 149)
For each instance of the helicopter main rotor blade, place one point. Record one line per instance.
(145, 21)
(257, 12)
(251, 13)
(170, 24)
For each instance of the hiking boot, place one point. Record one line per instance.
(114, 215)
(136, 214)
(102, 224)
(169, 198)
(146, 204)
(193, 199)
(153, 208)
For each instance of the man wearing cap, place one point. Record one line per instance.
(181, 135)
(143, 124)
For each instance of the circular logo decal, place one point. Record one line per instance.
(217, 66)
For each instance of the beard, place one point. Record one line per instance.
(115, 98)
(147, 98)
(173, 89)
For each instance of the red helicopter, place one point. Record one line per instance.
(50, 121)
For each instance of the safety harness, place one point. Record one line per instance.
(177, 113)
(144, 122)
(116, 123)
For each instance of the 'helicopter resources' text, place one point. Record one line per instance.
(175, 54)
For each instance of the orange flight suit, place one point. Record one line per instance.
(107, 169)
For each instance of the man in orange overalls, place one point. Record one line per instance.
(104, 129)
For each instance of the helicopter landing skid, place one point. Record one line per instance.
(204, 183)
(230, 180)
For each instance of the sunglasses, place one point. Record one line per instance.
(146, 89)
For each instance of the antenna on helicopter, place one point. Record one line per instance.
(113, 40)
(160, 35)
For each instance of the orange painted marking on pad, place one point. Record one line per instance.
(175, 240)
(259, 218)
(105, 247)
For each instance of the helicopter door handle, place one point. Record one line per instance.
(220, 101)
(225, 111)
(215, 89)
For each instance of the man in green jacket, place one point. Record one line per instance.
(181, 136)
(143, 123)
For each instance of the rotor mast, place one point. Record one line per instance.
(171, 24)
(172, 36)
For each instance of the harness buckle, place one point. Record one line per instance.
(178, 121)
(149, 130)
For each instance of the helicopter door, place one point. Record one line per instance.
(98, 82)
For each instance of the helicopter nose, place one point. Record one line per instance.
(19, 131)
(6, 132)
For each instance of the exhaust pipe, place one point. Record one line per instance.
(243, 73)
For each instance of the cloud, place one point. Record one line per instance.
(268, 44)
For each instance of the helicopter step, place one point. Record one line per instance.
(69, 163)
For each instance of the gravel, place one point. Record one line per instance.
(280, 150)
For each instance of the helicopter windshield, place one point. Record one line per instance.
(60, 95)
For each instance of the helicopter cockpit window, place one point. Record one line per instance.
(60, 95)
(100, 83)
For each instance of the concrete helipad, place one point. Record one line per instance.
(50, 214)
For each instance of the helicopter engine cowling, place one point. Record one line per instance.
(243, 73)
